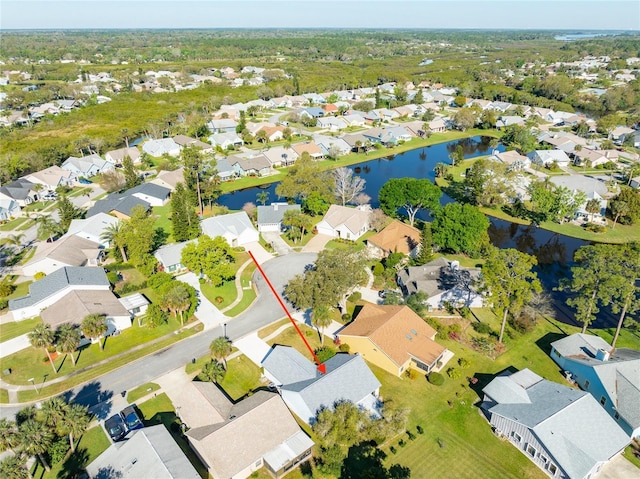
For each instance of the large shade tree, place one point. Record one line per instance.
(212, 257)
(460, 228)
(410, 194)
(510, 281)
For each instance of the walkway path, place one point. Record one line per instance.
(206, 312)
(239, 288)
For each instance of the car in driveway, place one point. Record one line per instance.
(131, 418)
(115, 428)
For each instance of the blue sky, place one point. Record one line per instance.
(493, 14)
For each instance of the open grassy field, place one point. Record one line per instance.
(17, 328)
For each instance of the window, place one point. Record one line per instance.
(531, 450)
(603, 400)
(616, 416)
(543, 458)
(516, 437)
(586, 384)
(553, 469)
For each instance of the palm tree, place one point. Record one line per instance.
(43, 337)
(177, 300)
(221, 349)
(112, 234)
(47, 227)
(321, 318)
(213, 371)
(68, 340)
(94, 326)
(14, 467)
(54, 410)
(441, 169)
(592, 207)
(75, 423)
(8, 435)
(35, 439)
(13, 240)
(262, 197)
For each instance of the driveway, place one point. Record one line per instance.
(206, 312)
(253, 347)
(618, 468)
(279, 245)
(316, 244)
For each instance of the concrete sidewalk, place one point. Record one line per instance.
(206, 312)
(258, 252)
(253, 347)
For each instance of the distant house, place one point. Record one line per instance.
(51, 177)
(387, 136)
(270, 216)
(311, 112)
(354, 120)
(581, 212)
(70, 250)
(149, 452)
(344, 222)
(74, 306)
(170, 256)
(397, 237)
(234, 440)
(635, 182)
(163, 146)
(273, 133)
(281, 156)
(223, 125)
(393, 338)
(153, 194)
(306, 391)
(611, 376)
(258, 165)
(310, 147)
(548, 157)
(119, 205)
(443, 282)
(330, 145)
(332, 123)
(117, 156)
(513, 159)
(169, 178)
(51, 288)
(561, 430)
(593, 158)
(87, 166)
(509, 120)
(236, 228)
(8, 209)
(21, 191)
(226, 140)
(224, 170)
(186, 141)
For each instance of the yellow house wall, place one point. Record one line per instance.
(369, 351)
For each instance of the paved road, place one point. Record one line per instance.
(98, 393)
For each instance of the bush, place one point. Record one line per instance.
(156, 316)
(346, 317)
(465, 312)
(454, 373)
(117, 266)
(412, 374)
(480, 327)
(436, 379)
(419, 429)
(392, 449)
(355, 297)
(464, 363)
(58, 450)
(523, 323)
(378, 269)
(595, 228)
(38, 276)
(131, 287)
(484, 345)
(113, 277)
(325, 353)
(158, 279)
(4, 303)
(344, 348)
(449, 307)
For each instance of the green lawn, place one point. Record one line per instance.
(242, 375)
(290, 337)
(457, 441)
(163, 220)
(17, 328)
(25, 226)
(141, 391)
(4, 396)
(267, 330)
(227, 291)
(160, 410)
(13, 224)
(92, 443)
(248, 293)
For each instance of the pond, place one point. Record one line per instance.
(553, 250)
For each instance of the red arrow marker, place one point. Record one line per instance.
(321, 367)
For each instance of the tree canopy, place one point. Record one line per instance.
(212, 257)
(411, 194)
(460, 228)
(304, 178)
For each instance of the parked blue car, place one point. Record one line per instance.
(115, 428)
(131, 418)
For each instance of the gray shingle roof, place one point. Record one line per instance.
(17, 190)
(288, 366)
(580, 344)
(273, 213)
(150, 189)
(170, 254)
(120, 202)
(234, 224)
(58, 280)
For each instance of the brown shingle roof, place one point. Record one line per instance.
(75, 305)
(397, 331)
(311, 148)
(397, 237)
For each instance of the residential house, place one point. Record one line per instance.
(393, 338)
(170, 256)
(117, 204)
(314, 98)
(332, 123)
(273, 133)
(385, 114)
(162, 146)
(222, 125)
(635, 138)
(586, 184)
(635, 182)
(8, 209)
(87, 166)
(619, 131)
(387, 136)
(548, 157)
(224, 170)
(70, 250)
(330, 109)
(562, 430)
(593, 158)
(305, 390)
(226, 140)
(74, 306)
(281, 156)
(509, 120)
(52, 177)
(513, 159)
(354, 119)
(258, 165)
(344, 222)
(149, 452)
(311, 112)
(236, 228)
(234, 440)
(152, 193)
(396, 237)
(309, 147)
(117, 156)
(500, 106)
(51, 288)
(169, 178)
(136, 304)
(331, 146)
(21, 191)
(443, 282)
(611, 376)
(357, 142)
(186, 141)
(270, 216)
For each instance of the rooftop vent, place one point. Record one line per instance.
(415, 333)
(602, 355)
(409, 337)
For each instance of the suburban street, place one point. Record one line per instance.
(97, 393)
